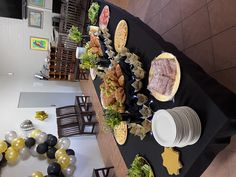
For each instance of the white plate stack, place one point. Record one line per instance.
(177, 127)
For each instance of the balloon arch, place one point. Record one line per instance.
(38, 143)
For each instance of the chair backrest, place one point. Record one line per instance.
(83, 103)
(65, 110)
(65, 42)
(102, 172)
(70, 15)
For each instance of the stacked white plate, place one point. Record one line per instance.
(177, 127)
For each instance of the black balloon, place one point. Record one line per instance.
(3, 162)
(51, 140)
(42, 148)
(70, 152)
(51, 152)
(61, 175)
(54, 169)
(29, 142)
(49, 135)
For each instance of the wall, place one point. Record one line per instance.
(15, 52)
(11, 86)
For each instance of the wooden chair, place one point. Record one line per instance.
(66, 110)
(83, 74)
(87, 114)
(87, 126)
(82, 104)
(76, 119)
(67, 120)
(70, 15)
(68, 126)
(75, 125)
(84, 108)
(83, 101)
(102, 172)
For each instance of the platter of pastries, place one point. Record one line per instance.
(112, 89)
(94, 45)
(121, 35)
(164, 77)
(121, 132)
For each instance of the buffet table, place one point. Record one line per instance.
(214, 103)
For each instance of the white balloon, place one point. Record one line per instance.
(69, 171)
(1, 157)
(24, 153)
(33, 151)
(72, 159)
(42, 137)
(10, 136)
(63, 143)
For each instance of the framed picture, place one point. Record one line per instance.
(37, 3)
(37, 43)
(35, 18)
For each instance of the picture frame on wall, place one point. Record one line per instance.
(37, 3)
(37, 43)
(35, 18)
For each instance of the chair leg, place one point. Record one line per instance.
(105, 171)
(108, 170)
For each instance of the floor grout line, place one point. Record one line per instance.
(157, 11)
(210, 37)
(212, 46)
(225, 69)
(183, 19)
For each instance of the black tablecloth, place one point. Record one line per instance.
(214, 103)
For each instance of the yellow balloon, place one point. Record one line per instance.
(59, 153)
(3, 146)
(18, 143)
(64, 161)
(11, 154)
(37, 174)
(35, 133)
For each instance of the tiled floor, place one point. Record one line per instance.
(205, 30)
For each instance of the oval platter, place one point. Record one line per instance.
(104, 17)
(121, 132)
(157, 95)
(121, 35)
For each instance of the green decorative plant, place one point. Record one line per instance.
(112, 118)
(88, 60)
(74, 34)
(139, 168)
(93, 12)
